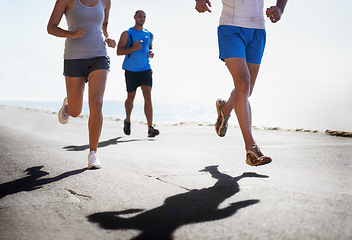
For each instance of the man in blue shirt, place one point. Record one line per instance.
(136, 44)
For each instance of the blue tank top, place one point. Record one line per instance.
(91, 18)
(138, 61)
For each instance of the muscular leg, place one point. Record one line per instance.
(97, 82)
(244, 76)
(129, 105)
(74, 90)
(148, 106)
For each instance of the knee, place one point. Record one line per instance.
(74, 111)
(96, 104)
(243, 87)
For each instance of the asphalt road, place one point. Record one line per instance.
(186, 183)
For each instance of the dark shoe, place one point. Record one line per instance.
(126, 127)
(152, 132)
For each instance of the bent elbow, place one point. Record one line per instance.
(49, 29)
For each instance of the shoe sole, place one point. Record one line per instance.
(220, 128)
(91, 167)
(218, 120)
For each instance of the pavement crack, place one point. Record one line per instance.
(78, 194)
(162, 180)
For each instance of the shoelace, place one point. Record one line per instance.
(256, 151)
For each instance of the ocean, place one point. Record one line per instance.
(192, 113)
(170, 113)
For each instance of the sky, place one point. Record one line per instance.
(304, 81)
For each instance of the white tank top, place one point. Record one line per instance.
(243, 13)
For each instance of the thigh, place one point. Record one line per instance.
(131, 95)
(146, 90)
(239, 70)
(75, 89)
(253, 73)
(97, 83)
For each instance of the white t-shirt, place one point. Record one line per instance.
(243, 13)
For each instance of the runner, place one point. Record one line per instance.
(242, 38)
(85, 60)
(137, 43)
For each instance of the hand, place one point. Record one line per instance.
(79, 33)
(203, 6)
(274, 14)
(111, 42)
(151, 54)
(137, 45)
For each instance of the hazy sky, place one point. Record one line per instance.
(305, 77)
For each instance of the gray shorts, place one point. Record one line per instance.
(83, 67)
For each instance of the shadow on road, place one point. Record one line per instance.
(195, 206)
(33, 181)
(106, 143)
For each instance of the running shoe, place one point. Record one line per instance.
(255, 157)
(63, 117)
(152, 132)
(221, 122)
(93, 160)
(126, 127)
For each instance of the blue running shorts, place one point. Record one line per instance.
(247, 43)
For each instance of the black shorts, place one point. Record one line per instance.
(83, 67)
(136, 79)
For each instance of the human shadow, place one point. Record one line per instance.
(33, 181)
(106, 143)
(195, 206)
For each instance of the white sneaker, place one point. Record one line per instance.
(63, 117)
(93, 160)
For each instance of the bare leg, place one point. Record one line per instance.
(97, 82)
(74, 89)
(148, 106)
(238, 100)
(129, 105)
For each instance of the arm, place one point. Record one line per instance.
(109, 41)
(60, 8)
(122, 48)
(151, 53)
(203, 6)
(274, 13)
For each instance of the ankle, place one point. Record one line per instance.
(227, 109)
(250, 145)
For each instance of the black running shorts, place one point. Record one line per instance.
(136, 79)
